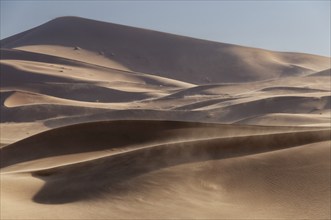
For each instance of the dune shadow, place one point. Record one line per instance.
(110, 175)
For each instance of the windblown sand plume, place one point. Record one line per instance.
(104, 121)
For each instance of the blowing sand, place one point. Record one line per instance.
(138, 124)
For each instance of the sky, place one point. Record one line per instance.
(296, 26)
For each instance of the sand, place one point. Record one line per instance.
(104, 121)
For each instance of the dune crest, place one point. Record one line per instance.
(182, 58)
(105, 121)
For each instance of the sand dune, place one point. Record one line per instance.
(176, 57)
(123, 134)
(153, 160)
(104, 121)
(273, 105)
(283, 119)
(326, 72)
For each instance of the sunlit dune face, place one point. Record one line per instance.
(141, 124)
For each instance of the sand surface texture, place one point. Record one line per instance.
(103, 121)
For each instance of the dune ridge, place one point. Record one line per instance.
(105, 121)
(170, 153)
(167, 55)
(97, 136)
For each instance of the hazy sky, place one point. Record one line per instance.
(300, 26)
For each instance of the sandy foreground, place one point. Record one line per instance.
(103, 121)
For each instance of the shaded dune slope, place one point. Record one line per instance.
(109, 172)
(223, 110)
(132, 114)
(284, 119)
(286, 104)
(105, 121)
(161, 144)
(60, 64)
(326, 73)
(285, 184)
(31, 113)
(168, 55)
(96, 136)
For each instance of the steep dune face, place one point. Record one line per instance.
(218, 188)
(130, 135)
(176, 57)
(104, 121)
(206, 169)
(326, 73)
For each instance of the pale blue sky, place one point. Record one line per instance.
(299, 26)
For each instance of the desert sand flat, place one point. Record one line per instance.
(105, 121)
